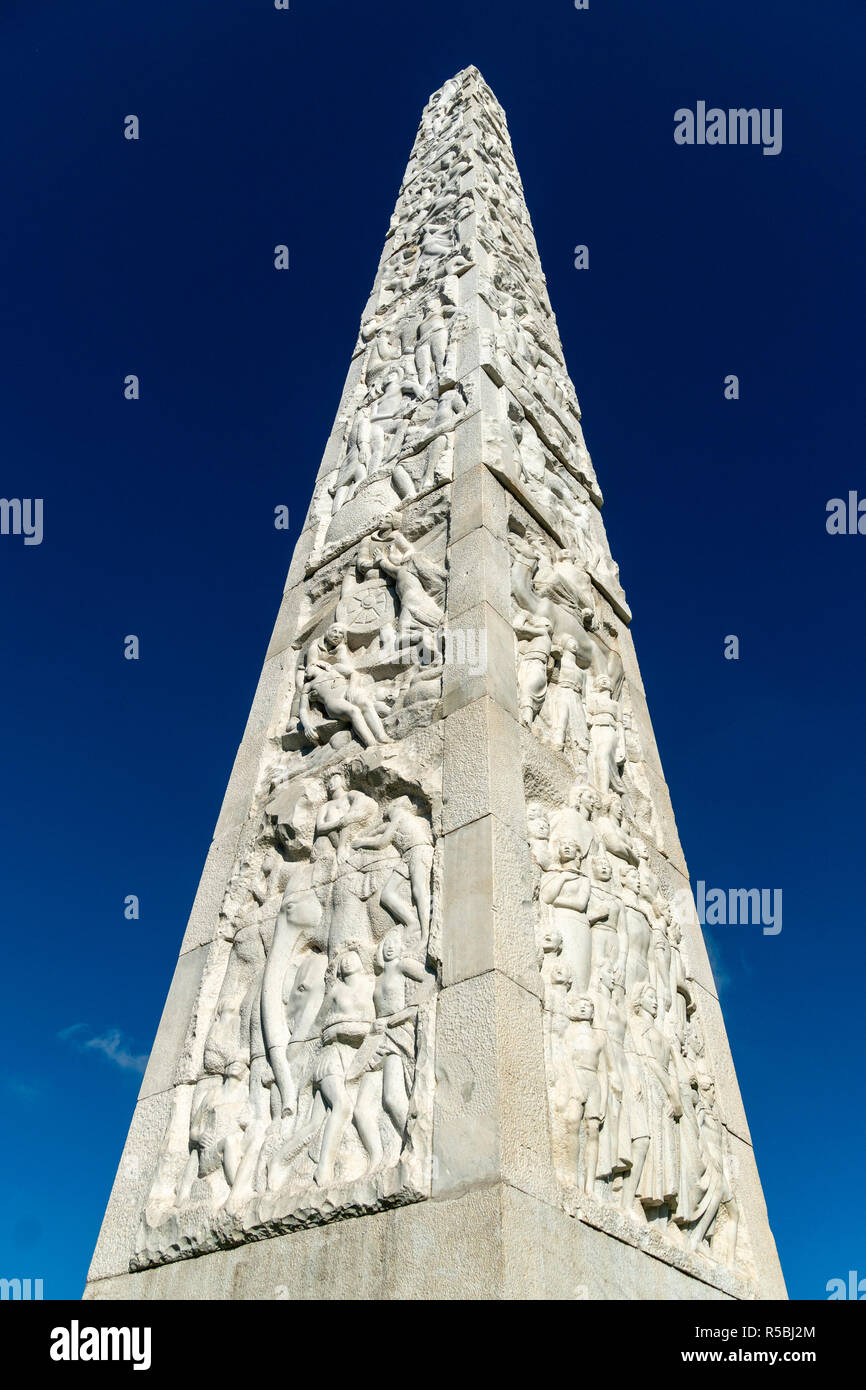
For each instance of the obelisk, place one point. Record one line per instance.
(443, 1024)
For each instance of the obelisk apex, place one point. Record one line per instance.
(443, 1023)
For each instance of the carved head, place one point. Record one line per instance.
(537, 822)
(334, 635)
(631, 880)
(707, 1088)
(569, 852)
(389, 948)
(601, 867)
(645, 998)
(608, 975)
(587, 800)
(350, 964)
(584, 1009)
(551, 942)
(561, 975)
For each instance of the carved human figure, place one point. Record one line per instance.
(606, 753)
(716, 1180)
(438, 239)
(650, 890)
(390, 404)
(538, 832)
(327, 677)
(660, 958)
(340, 819)
(586, 1045)
(560, 593)
(386, 1059)
(563, 580)
(566, 891)
(348, 1015)
(549, 953)
(431, 344)
(651, 1057)
(433, 425)
(636, 771)
(606, 918)
(220, 1110)
(613, 834)
(638, 932)
(563, 715)
(575, 821)
(298, 920)
(409, 832)
(383, 351)
(398, 275)
(615, 1152)
(533, 652)
(268, 1145)
(681, 993)
(691, 1160)
(531, 454)
(419, 584)
(346, 816)
(355, 466)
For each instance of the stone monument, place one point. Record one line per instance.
(443, 1024)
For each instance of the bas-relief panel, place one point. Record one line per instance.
(634, 1118)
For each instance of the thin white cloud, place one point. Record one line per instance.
(111, 1044)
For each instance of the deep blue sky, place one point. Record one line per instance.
(156, 257)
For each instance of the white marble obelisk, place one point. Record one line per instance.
(443, 1023)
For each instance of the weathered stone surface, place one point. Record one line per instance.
(443, 1025)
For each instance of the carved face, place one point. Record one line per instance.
(335, 634)
(350, 965)
(602, 869)
(538, 825)
(391, 946)
(649, 1001)
(585, 1009)
(336, 784)
(561, 975)
(568, 852)
(552, 942)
